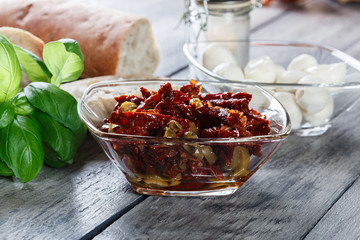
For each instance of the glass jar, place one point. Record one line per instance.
(220, 20)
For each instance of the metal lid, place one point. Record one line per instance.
(243, 6)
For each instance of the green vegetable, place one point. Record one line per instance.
(40, 123)
(34, 68)
(61, 139)
(22, 105)
(5, 170)
(52, 159)
(47, 97)
(7, 113)
(64, 60)
(10, 71)
(22, 149)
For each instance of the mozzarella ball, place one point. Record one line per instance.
(288, 101)
(229, 70)
(292, 76)
(258, 100)
(329, 73)
(216, 54)
(302, 62)
(320, 117)
(309, 79)
(312, 100)
(261, 70)
(279, 70)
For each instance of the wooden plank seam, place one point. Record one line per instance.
(331, 206)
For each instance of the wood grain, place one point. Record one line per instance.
(64, 203)
(284, 199)
(299, 184)
(317, 22)
(343, 219)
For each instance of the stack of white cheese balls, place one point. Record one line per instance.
(312, 105)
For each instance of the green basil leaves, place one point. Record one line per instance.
(38, 124)
(10, 72)
(7, 113)
(22, 150)
(64, 60)
(34, 68)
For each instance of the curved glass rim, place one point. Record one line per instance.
(271, 137)
(335, 52)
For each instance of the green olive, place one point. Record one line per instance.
(193, 128)
(174, 125)
(190, 134)
(172, 128)
(110, 129)
(127, 106)
(241, 173)
(196, 101)
(169, 133)
(209, 155)
(239, 160)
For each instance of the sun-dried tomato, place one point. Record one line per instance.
(221, 115)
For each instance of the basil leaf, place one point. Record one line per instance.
(57, 103)
(22, 149)
(72, 46)
(52, 159)
(7, 113)
(10, 71)
(22, 105)
(60, 139)
(5, 170)
(34, 68)
(64, 60)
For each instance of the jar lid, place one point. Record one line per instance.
(231, 5)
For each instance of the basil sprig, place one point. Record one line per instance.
(38, 124)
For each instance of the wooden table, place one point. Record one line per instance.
(309, 189)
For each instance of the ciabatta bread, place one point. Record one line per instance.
(113, 42)
(23, 39)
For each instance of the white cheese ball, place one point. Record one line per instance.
(309, 79)
(320, 117)
(230, 71)
(258, 100)
(261, 70)
(216, 54)
(302, 62)
(329, 73)
(279, 70)
(288, 101)
(312, 100)
(291, 76)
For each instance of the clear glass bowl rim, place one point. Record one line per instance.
(262, 138)
(354, 63)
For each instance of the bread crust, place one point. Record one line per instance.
(100, 32)
(23, 39)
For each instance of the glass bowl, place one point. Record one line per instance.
(338, 97)
(147, 162)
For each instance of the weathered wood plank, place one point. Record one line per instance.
(298, 185)
(317, 22)
(343, 219)
(66, 202)
(281, 201)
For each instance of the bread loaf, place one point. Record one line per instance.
(23, 39)
(113, 42)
